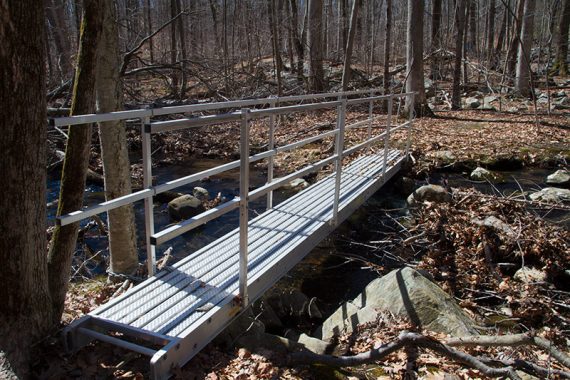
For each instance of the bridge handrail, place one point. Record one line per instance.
(244, 116)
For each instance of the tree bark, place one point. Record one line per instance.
(513, 46)
(149, 31)
(275, 43)
(491, 32)
(524, 72)
(560, 63)
(296, 39)
(114, 152)
(460, 30)
(502, 32)
(346, 72)
(76, 157)
(414, 58)
(182, 42)
(173, 50)
(55, 16)
(25, 314)
(472, 45)
(315, 41)
(435, 37)
(387, 46)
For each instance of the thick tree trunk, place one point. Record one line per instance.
(523, 78)
(414, 58)
(387, 46)
(315, 41)
(76, 156)
(55, 15)
(116, 167)
(460, 30)
(25, 308)
(149, 31)
(346, 72)
(502, 33)
(561, 61)
(472, 44)
(435, 37)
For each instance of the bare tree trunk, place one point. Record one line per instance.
(523, 75)
(435, 38)
(315, 42)
(387, 46)
(55, 16)
(346, 72)
(275, 43)
(25, 313)
(149, 31)
(76, 157)
(414, 58)
(297, 40)
(173, 50)
(560, 62)
(491, 32)
(182, 43)
(502, 33)
(472, 45)
(513, 46)
(116, 167)
(460, 30)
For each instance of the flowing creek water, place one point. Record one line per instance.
(335, 271)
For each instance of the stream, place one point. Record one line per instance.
(339, 268)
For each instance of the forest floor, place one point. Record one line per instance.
(453, 141)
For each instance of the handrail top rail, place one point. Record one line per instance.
(160, 111)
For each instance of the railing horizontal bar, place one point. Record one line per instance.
(195, 177)
(210, 106)
(288, 109)
(189, 224)
(96, 118)
(403, 125)
(364, 144)
(261, 191)
(366, 100)
(117, 342)
(194, 122)
(76, 216)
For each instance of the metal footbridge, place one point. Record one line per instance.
(173, 314)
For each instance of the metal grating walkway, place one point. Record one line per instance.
(185, 306)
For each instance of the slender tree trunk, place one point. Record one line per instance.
(561, 60)
(76, 156)
(182, 43)
(513, 46)
(315, 41)
(173, 50)
(472, 45)
(275, 43)
(435, 38)
(25, 313)
(502, 33)
(387, 46)
(523, 75)
(460, 30)
(491, 32)
(116, 167)
(414, 58)
(346, 72)
(149, 31)
(55, 16)
(297, 40)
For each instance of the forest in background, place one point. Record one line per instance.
(102, 55)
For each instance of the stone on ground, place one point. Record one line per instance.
(482, 174)
(201, 193)
(529, 275)
(551, 195)
(184, 207)
(431, 193)
(559, 177)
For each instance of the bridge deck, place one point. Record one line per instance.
(185, 306)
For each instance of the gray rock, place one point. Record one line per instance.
(559, 107)
(497, 224)
(293, 303)
(297, 184)
(245, 325)
(551, 195)
(265, 313)
(559, 94)
(445, 156)
(312, 344)
(559, 177)
(431, 193)
(185, 207)
(482, 174)
(529, 275)
(490, 99)
(403, 292)
(472, 103)
(201, 193)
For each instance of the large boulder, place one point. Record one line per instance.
(472, 103)
(404, 292)
(184, 207)
(431, 193)
(551, 195)
(559, 177)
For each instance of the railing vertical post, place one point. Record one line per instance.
(148, 202)
(411, 118)
(341, 121)
(387, 137)
(243, 205)
(271, 146)
(370, 111)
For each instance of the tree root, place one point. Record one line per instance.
(409, 339)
